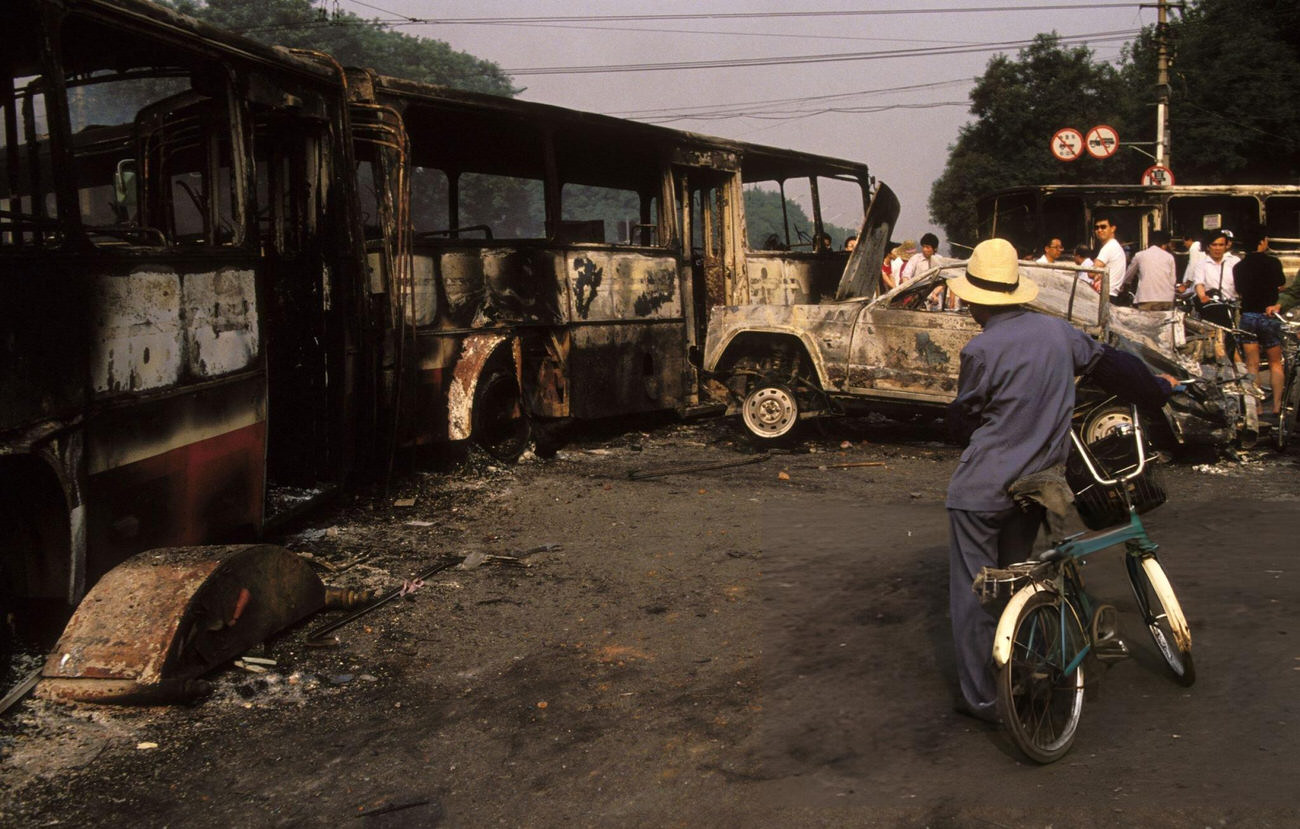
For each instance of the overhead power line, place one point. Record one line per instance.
(931, 51)
(802, 99)
(658, 18)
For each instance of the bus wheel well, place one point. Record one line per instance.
(499, 417)
(35, 532)
(35, 555)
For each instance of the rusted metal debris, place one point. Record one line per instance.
(157, 622)
(317, 637)
(24, 686)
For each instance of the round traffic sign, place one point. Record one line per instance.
(1102, 141)
(1158, 175)
(1067, 144)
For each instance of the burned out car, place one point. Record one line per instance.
(777, 365)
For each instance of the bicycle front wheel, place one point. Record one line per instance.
(1290, 404)
(1163, 615)
(1040, 693)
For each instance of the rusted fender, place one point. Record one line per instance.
(474, 354)
(157, 622)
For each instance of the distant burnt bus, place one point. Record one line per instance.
(1029, 215)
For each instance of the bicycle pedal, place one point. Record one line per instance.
(1111, 650)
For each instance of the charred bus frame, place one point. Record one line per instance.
(1028, 215)
(233, 275)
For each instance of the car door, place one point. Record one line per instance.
(902, 352)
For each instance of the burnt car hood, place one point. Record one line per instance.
(862, 273)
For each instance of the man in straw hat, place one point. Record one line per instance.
(1015, 396)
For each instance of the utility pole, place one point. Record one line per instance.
(1162, 84)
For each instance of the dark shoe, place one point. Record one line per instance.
(988, 713)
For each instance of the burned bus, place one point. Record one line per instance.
(1029, 215)
(233, 276)
(551, 264)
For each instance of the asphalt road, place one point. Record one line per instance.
(764, 645)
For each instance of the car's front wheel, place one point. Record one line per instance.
(770, 412)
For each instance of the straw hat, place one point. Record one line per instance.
(993, 276)
(904, 250)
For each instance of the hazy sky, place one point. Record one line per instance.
(897, 105)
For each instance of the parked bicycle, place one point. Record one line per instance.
(1051, 634)
(1286, 420)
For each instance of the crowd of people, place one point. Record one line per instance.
(1243, 292)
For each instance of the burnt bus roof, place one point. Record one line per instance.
(162, 25)
(761, 163)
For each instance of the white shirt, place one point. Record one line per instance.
(1156, 275)
(1216, 276)
(1111, 257)
(916, 265)
(1194, 256)
(896, 269)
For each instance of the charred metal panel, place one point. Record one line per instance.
(425, 416)
(499, 285)
(136, 342)
(915, 352)
(522, 287)
(166, 617)
(623, 368)
(611, 285)
(824, 330)
(862, 273)
(153, 329)
(177, 469)
(1062, 294)
(778, 280)
(221, 322)
(546, 379)
(422, 305)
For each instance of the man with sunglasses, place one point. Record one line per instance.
(1111, 257)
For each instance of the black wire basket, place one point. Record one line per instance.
(1114, 456)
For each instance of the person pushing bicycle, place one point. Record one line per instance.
(1015, 398)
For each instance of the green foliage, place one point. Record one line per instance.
(763, 218)
(352, 40)
(1234, 114)
(1018, 104)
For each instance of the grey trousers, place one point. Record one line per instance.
(979, 539)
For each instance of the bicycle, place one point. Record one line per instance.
(1042, 647)
(1286, 419)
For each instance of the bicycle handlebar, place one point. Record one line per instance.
(1141, 452)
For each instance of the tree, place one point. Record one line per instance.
(1233, 114)
(352, 41)
(1234, 117)
(1018, 104)
(763, 218)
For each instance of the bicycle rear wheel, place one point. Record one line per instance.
(1163, 615)
(1039, 700)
